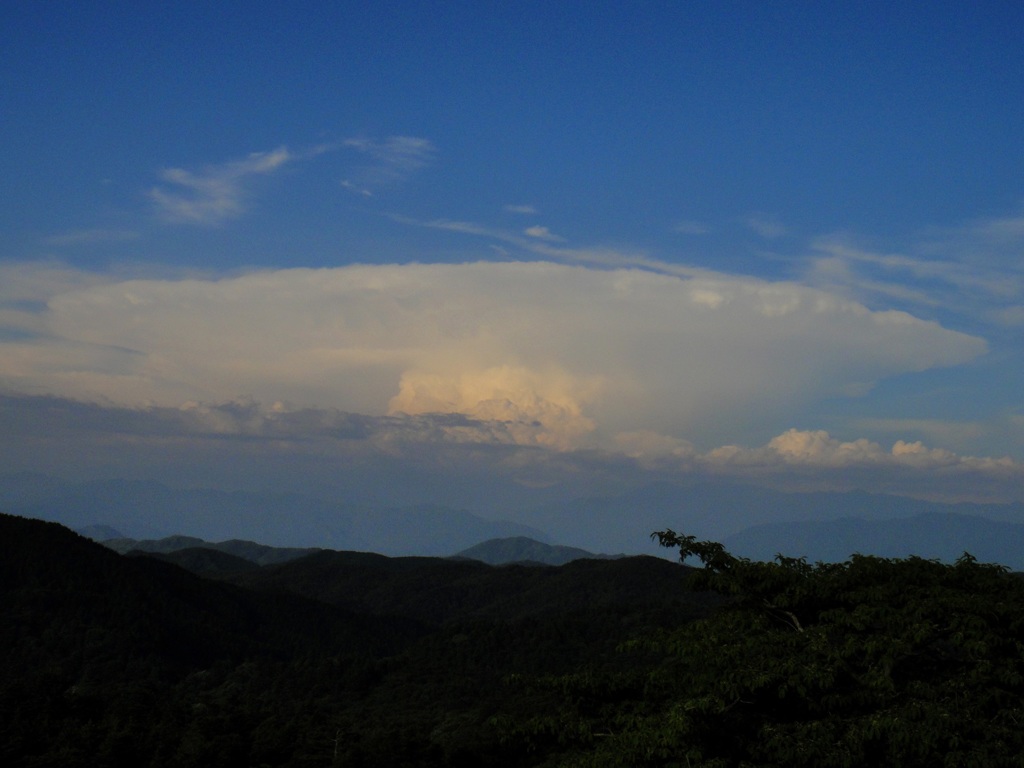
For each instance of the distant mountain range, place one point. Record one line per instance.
(755, 522)
(206, 558)
(718, 510)
(522, 549)
(147, 510)
(258, 554)
(937, 535)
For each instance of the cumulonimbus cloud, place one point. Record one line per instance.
(573, 355)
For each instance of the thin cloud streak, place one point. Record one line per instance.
(395, 160)
(767, 226)
(542, 233)
(522, 210)
(599, 257)
(973, 272)
(217, 192)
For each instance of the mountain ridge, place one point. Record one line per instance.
(623, 522)
(522, 549)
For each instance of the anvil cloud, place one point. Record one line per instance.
(424, 255)
(571, 356)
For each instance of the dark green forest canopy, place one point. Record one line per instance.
(872, 661)
(351, 659)
(335, 659)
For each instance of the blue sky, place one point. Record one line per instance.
(775, 241)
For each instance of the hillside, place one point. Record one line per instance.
(437, 590)
(258, 554)
(112, 660)
(522, 549)
(357, 659)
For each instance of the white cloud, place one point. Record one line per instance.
(542, 233)
(38, 281)
(954, 274)
(949, 433)
(567, 355)
(973, 272)
(767, 226)
(650, 446)
(605, 258)
(215, 193)
(549, 404)
(294, 442)
(353, 187)
(817, 448)
(395, 159)
(805, 459)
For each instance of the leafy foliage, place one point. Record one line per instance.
(341, 659)
(868, 662)
(352, 659)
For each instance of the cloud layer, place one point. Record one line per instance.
(246, 444)
(571, 355)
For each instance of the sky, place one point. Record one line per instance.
(552, 245)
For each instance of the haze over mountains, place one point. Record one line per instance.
(939, 535)
(752, 522)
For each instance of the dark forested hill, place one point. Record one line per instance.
(438, 590)
(259, 554)
(201, 561)
(338, 658)
(522, 549)
(356, 659)
(112, 660)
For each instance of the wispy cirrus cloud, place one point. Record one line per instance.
(765, 225)
(973, 271)
(608, 258)
(394, 160)
(522, 210)
(216, 192)
(542, 233)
